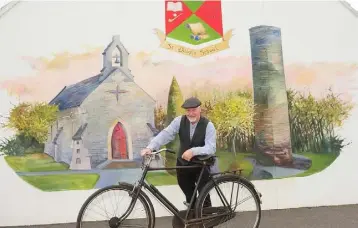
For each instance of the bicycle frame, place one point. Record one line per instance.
(157, 194)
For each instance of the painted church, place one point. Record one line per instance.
(104, 120)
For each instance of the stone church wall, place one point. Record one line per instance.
(134, 108)
(64, 128)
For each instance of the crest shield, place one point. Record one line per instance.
(194, 28)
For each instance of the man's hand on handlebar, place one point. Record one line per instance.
(187, 155)
(145, 151)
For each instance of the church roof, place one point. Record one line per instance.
(110, 44)
(57, 135)
(154, 130)
(79, 133)
(73, 95)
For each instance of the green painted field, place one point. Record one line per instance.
(319, 162)
(40, 162)
(62, 182)
(36, 162)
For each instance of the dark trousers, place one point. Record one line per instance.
(187, 178)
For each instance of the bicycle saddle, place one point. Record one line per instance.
(204, 159)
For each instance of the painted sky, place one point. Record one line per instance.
(47, 45)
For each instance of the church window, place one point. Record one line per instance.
(78, 151)
(78, 161)
(116, 57)
(78, 142)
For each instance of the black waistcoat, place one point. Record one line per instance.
(198, 139)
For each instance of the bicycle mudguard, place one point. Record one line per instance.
(242, 179)
(249, 183)
(252, 185)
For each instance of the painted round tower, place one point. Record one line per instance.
(272, 127)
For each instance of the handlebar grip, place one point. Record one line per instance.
(170, 151)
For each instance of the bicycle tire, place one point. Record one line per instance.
(143, 198)
(227, 178)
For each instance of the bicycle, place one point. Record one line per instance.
(199, 220)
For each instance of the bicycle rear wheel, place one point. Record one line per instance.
(226, 194)
(100, 216)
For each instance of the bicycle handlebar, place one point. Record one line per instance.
(164, 149)
(151, 156)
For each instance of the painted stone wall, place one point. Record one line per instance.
(279, 86)
(134, 112)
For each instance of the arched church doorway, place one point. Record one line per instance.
(119, 142)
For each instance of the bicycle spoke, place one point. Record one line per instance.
(232, 195)
(109, 206)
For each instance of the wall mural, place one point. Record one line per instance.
(273, 120)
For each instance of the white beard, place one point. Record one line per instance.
(192, 119)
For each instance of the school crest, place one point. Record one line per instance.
(194, 28)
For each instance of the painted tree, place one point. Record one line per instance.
(233, 118)
(174, 109)
(32, 120)
(175, 100)
(160, 117)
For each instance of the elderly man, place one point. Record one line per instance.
(197, 137)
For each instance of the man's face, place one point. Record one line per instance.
(193, 114)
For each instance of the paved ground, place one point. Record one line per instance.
(322, 217)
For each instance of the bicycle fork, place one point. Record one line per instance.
(135, 195)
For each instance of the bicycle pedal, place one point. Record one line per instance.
(186, 204)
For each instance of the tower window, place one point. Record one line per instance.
(78, 161)
(117, 57)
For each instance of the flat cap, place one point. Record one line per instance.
(191, 102)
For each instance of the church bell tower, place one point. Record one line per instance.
(115, 56)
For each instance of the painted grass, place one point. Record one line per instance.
(319, 162)
(62, 182)
(226, 160)
(36, 162)
(161, 178)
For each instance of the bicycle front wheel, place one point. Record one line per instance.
(105, 207)
(229, 191)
